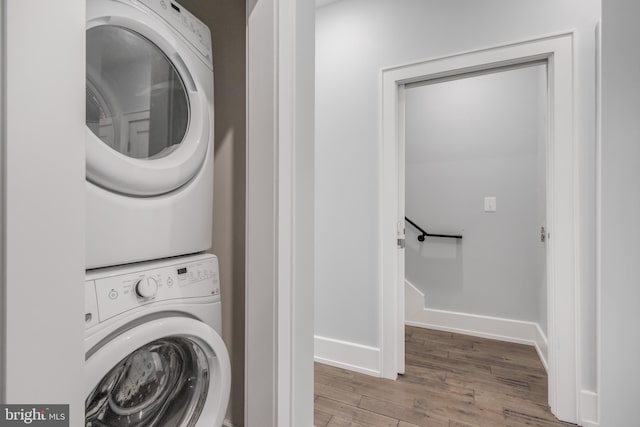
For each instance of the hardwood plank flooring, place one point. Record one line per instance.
(450, 380)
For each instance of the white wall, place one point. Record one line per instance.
(466, 139)
(43, 171)
(354, 40)
(620, 204)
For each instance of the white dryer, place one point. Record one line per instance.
(154, 356)
(149, 144)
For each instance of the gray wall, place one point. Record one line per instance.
(620, 203)
(227, 21)
(467, 139)
(354, 40)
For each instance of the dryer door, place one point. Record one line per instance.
(166, 372)
(147, 118)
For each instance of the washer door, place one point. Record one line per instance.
(147, 118)
(166, 372)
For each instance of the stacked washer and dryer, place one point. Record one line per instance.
(154, 356)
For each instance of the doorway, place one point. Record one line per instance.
(556, 53)
(475, 204)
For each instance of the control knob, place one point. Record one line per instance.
(147, 288)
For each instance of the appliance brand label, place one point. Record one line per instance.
(34, 415)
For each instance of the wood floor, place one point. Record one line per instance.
(451, 380)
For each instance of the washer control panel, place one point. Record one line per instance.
(116, 291)
(185, 22)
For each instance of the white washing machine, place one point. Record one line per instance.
(149, 144)
(154, 356)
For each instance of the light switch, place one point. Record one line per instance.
(489, 204)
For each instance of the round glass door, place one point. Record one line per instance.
(163, 383)
(136, 102)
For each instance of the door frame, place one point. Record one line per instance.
(279, 271)
(562, 204)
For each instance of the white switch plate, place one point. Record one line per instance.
(489, 204)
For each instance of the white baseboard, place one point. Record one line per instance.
(589, 409)
(347, 355)
(542, 346)
(516, 331)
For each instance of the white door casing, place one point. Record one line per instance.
(401, 227)
(279, 223)
(562, 213)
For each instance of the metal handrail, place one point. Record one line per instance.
(427, 234)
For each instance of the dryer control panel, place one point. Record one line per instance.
(113, 291)
(185, 22)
